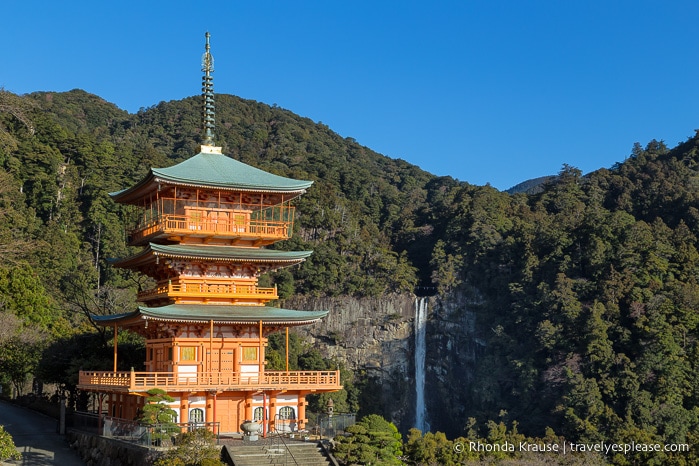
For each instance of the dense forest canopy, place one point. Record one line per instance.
(587, 287)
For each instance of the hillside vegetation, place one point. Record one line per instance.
(588, 288)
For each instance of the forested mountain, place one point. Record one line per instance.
(588, 296)
(533, 186)
(587, 291)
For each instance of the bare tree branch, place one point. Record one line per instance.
(18, 107)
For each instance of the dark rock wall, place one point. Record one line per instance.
(376, 336)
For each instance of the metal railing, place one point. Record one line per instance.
(157, 435)
(278, 446)
(329, 426)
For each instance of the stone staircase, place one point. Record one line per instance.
(291, 454)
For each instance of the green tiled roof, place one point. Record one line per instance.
(217, 253)
(217, 313)
(227, 252)
(222, 171)
(218, 171)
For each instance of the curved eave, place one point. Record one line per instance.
(226, 252)
(220, 314)
(151, 183)
(231, 187)
(213, 253)
(213, 171)
(123, 320)
(134, 194)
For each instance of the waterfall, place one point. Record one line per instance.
(420, 330)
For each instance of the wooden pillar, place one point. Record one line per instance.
(259, 355)
(265, 417)
(184, 407)
(287, 350)
(131, 407)
(248, 406)
(215, 415)
(272, 410)
(115, 347)
(302, 410)
(210, 400)
(211, 347)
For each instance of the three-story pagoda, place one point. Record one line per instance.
(204, 229)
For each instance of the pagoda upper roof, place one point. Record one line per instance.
(214, 253)
(214, 170)
(203, 313)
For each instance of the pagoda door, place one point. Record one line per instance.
(222, 360)
(230, 412)
(227, 360)
(219, 221)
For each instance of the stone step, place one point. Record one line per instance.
(304, 454)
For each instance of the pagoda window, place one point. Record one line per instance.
(188, 353)
(196, 415)
(257, 413)
(167, 207)
(239, 221)
(287, 412)
(169, 353)
(195, 218)
(250, 353)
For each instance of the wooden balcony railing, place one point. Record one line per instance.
(182, 225)
(209, 291)
(143, 381)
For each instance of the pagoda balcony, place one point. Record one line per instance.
(141, 382)
(205, 291)
(225, 228)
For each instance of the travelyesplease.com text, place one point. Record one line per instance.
(571, 447)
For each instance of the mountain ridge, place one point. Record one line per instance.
(582, 298)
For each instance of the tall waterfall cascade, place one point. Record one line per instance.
(420, 351)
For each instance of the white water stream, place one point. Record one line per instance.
(420, 350)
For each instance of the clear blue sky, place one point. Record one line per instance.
(485, 91)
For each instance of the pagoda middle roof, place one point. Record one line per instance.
(203, 313)
(214, 253)
(215, 171)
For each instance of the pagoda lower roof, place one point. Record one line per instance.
(218, 313)
(214, 171)
(214, 253)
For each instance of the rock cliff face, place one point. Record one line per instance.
(452, 350)
(376, 336)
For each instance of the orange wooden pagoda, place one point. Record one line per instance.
(204, 227)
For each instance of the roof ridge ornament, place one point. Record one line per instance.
(209, 111)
